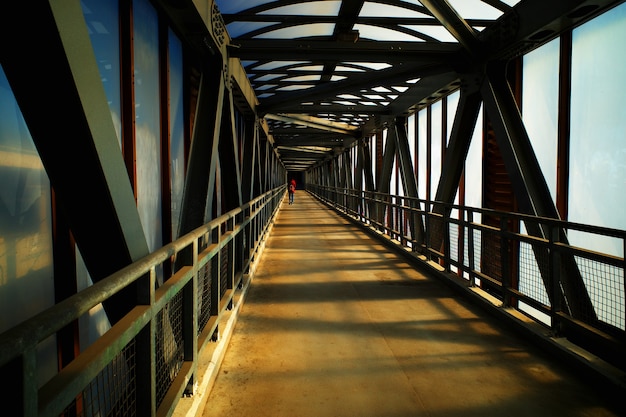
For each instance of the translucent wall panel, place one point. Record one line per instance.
(422, 154)
(435, 147)
(102, 22)
(393, 186)
(452, 102)
(354, 157)
(94, 323)
(540, 91)
(177, 129)
(474, 183)
(597, 190)
(474, 167)
(147, 121)
(452, 105)
(372, 150)
(26, 264)
(410, 130)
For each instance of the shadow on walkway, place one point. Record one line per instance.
(334, 325)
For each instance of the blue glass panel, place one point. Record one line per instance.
(147, 121)
(177, 129)
(26, 263)
(102, 22)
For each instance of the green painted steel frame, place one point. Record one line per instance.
(19, 344)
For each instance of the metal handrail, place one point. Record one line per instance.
(454, 245)
(250, 221)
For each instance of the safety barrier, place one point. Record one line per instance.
(523, 262)
(146, 362)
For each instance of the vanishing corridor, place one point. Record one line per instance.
(335, 325)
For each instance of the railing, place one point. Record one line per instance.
(525, 262)
(145, 362)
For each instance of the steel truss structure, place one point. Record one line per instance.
(271, 90)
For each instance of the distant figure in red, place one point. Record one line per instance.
(292, 190)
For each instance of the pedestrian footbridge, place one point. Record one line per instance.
(336, 324)
(314, 309)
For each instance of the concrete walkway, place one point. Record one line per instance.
(334, 325)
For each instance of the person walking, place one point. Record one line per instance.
(292, 190)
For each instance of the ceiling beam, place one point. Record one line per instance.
(329, 91)
(313, 122)
(294, 20)
(532, 23)
(421, 53)
(454, 24)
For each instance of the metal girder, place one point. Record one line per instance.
(229, 158)
(407, 174)
(302, 155)
(406, 53)
(285, 102)
(439, 66)
(242, 92)
(453, 165)
(348, 169)
(332, 106)
(314, 122)
(307, 143)
(454, 24)
(522, 165)
(382, 21)
(531, 189)
(248, 158)
(531, 23)
(358, 175)
(76, 141)
(278, 131)
(202, 164)
(428, 89)
(256, 178)
(264, 151)
(367, 166)
(384, 178)
(308, 136)
(460, 138)
(348, 14)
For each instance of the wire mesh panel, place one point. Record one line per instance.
(224, 269)
(531, 282)
(112, 392)
(436, 229)
(239, 248)
(490, 256)
(466, 253)
(169, 345)
(530, 263)
(204, 296)
(454, 242)
(605, 285)
(475, 255)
